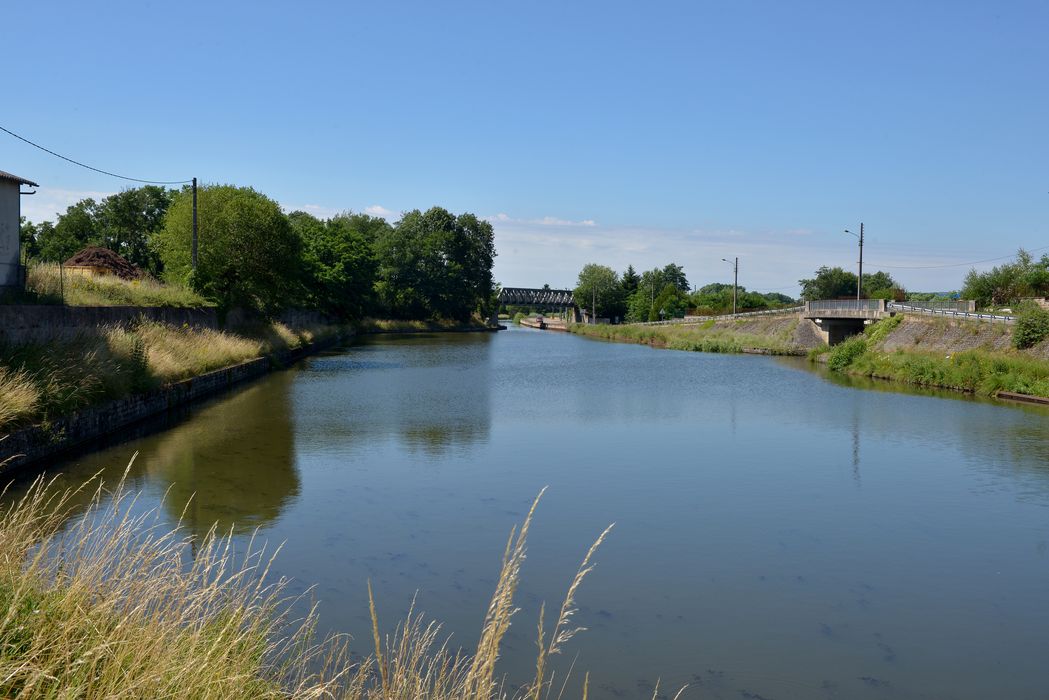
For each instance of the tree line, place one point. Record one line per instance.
(431, 264)
(666, 292)
(661, 293)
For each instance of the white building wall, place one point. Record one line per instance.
(9, 248)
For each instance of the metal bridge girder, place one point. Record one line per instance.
(536, 297)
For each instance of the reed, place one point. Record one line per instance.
(105, 601)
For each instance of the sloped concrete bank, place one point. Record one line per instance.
(29, 446)
(974, 357)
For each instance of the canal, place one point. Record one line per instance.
(778, 534)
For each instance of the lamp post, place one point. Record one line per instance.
(735, 280)
(859, 281)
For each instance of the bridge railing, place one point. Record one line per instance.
(845, 305)
(942, 305)
(993, 318)
(696, 320)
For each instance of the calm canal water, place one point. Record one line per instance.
(778, 534)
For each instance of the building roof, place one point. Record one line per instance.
(19, 180)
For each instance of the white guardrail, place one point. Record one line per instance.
(891, 306)
(696, 320)
(993, 318)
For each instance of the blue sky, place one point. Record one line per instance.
(606, 132)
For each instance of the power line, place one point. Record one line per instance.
(97, 170)
(963, 264)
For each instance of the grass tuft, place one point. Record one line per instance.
(98, 601)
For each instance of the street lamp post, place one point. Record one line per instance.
(735, 280)
(859, 281)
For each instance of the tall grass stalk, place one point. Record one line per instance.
(109, 602)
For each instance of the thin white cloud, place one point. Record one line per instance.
(503, 218)
(49, 202)
(318, 210)
(531, 254)
(383, 212)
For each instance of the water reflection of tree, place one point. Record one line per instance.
(235, 458)
(430, 393)
(235, 454)
(445, 409)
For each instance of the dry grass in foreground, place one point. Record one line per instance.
(112, 605)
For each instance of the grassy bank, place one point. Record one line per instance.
(41, 381)
(964, 356)
(777, 336)
(105, 604)
(373, 325)
(45, 284)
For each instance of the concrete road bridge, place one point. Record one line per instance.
(837, 319)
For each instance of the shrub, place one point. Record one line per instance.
(877, 332)
(843, 354)
(1032, 326)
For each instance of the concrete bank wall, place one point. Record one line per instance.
(42, 442)
(41, 323)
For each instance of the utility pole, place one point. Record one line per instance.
(735, 280)
(593, 305)
(194, 224)
(859, 281)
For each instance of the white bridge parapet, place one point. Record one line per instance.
(872, 309)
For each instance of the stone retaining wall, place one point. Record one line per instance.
(41, 323)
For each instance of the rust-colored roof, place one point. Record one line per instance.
(19, 180)
(106, 259)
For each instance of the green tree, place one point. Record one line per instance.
(74, 230)
(597, 289)
(675, 275)
(248, 255)
(338, 262)
(834, 282)
(829, 283)
(879, 285)
(671, 302)
(1008, 283)
(127, 223)
(29, 237)
(630, 280)
(434, 264)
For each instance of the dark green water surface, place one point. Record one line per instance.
(778, 535)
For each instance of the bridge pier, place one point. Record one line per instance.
(835, 330)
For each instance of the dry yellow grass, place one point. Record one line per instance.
(177, 353)
(19, 396)
(50, 284)
(47, 380)
(113, 605)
